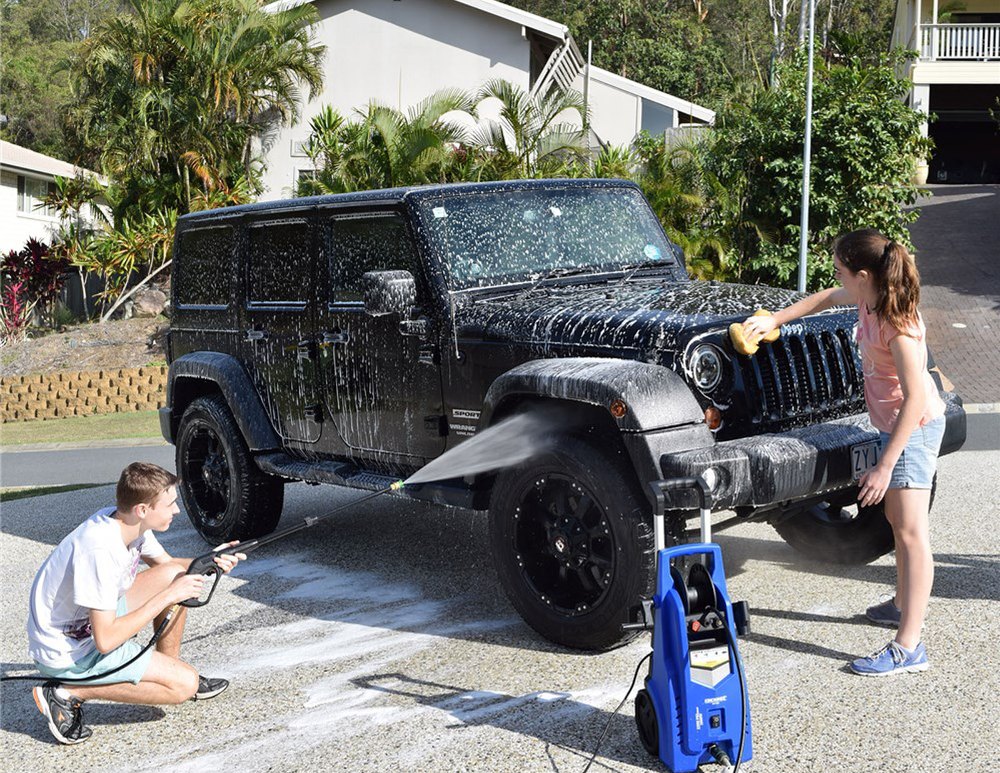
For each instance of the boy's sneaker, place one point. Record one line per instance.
(209, 688)
(886, 613)
(892, 659)
(65, 716)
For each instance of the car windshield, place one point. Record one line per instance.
(494, 238)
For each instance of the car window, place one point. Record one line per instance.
(371, 242)
(279, 262)
(500, 237)
(204, 259)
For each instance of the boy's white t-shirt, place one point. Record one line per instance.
(90, 569)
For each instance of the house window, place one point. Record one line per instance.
(656, 119)
(31, 193)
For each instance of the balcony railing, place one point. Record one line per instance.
(977, 42)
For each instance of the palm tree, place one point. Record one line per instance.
(385, 147)
(173, 94)
(534, 137)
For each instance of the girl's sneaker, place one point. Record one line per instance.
(892, 659)
(885, 613)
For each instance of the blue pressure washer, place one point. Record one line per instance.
(694, 707)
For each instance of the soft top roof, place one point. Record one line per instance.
(395, 196)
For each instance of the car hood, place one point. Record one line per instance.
(639, 314)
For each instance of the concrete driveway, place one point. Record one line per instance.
(381, 641)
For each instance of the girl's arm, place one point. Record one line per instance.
(757, 327)
(906, 354)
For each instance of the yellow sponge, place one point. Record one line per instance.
(747, 346)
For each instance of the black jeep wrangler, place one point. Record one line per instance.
(350, 339)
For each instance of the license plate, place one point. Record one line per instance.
(864, 456)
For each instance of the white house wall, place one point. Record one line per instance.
(398, 53)
(17, 227)
(615, 114)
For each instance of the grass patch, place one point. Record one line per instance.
(107, 426)
(10, 494)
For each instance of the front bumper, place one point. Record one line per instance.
(774, 468)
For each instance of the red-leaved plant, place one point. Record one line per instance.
(28, 277)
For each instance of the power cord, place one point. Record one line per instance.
(607, 725)
(741, 679)
(67, 680)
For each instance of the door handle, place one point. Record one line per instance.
(305, 350)
(415, 327)
(335, 337)
(256, 335)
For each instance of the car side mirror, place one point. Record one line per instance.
(388, 292)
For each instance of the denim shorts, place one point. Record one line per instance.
(96, 663)
(918, 462)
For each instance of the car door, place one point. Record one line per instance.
(279, 324)
(382, 378)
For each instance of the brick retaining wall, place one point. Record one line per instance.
(56, 395)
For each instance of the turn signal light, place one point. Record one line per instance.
(713, 417)
(618, 408)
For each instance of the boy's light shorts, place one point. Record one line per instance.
(96, 663)
(918, 462)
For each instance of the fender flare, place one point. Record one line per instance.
(233, 382)
(656, 397)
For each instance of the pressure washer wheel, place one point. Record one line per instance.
(572, 542)
(645, 722)
(226, 495)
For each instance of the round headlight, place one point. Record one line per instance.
(706, 367)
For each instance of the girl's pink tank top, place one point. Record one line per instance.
(883, 393)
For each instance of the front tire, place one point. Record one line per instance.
(572, 542)
(226, 495)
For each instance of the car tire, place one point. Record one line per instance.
(226, 495)
(833, 533)
(572, 541)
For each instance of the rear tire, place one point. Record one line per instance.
(840, 532)
(226, 495)
(572, 542)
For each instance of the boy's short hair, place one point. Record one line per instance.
(140, 483)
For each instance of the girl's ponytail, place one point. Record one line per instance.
(891, 266)
(899, 290)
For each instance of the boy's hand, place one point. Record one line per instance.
(184, 587)
(227, 561)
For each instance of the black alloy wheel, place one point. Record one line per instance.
(227, 497)
(564, 545)
(572, 541)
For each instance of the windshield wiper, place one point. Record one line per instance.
(633, 268)
(554, 273)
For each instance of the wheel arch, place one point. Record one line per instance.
(199, 374)
(657, 400)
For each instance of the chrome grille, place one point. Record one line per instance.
(815, 373)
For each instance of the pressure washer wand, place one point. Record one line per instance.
(206, 564)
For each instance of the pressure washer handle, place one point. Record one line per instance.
(702, 485)
(204, 565)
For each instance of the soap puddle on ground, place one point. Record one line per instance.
(367, 629)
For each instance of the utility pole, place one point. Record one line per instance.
(807, 153)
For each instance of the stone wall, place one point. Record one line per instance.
(57, 395)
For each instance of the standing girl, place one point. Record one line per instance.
(879, 275)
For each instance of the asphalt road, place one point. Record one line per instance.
(380, 641)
